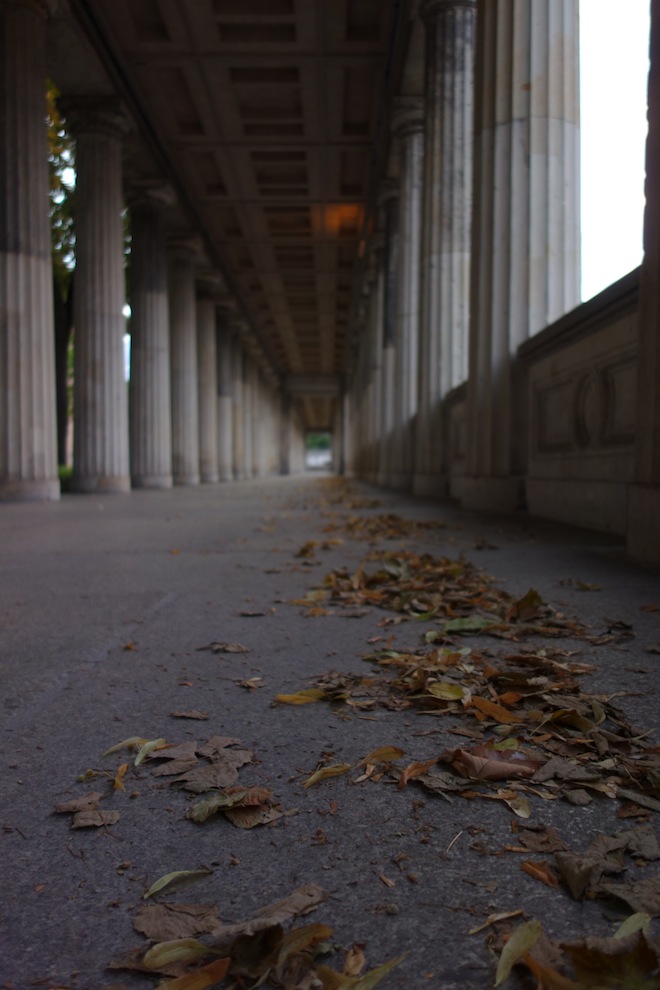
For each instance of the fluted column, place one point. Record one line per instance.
(408, 126)
(246, 379)
(100, 394)
(238, 398)
(447, 204)
(525, 236)
(285, 433)
(644, 494)
(225, 405)
(390, 209)
(28, 439)
(182, 255)
(150, 427)
(207, 376)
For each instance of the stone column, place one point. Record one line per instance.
(644, 494)
(100, 392)
(447, 203)
(247, 408)
(182, 255)
(408, 124)
(237, 402)
(285, 433)
(208, 288)
(525, 270)
(225, 410)
(28, 439)
(150, 427)
(390, 210)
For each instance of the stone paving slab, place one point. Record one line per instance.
(105, 603)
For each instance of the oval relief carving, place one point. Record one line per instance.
(588, 413)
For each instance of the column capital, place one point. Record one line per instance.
(95, 114)
(184, 246)
(407, 116)
(429, 9)
(150, 194)
(209, 284)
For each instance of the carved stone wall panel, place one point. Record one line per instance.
(581, 405)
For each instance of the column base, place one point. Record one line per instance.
(399, 481)
(600, 505)
(430, 485)
(186, 479)
(101, 484)
(209, 479)
(151, 481)
(226, 476)
(47, 490)
(644, 523)
(486, 494)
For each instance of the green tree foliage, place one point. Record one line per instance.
(61, 165)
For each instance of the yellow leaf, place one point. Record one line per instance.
(325, 772)
(200, 978)
(522, 940)
(446, 691)
(304, 697)
(332, 980)
(147, 748)
(133, 743)
(180, 950)
(169, 878)
(119, 777)
(384, 754)
(354, 961)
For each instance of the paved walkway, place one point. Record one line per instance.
(105, 605)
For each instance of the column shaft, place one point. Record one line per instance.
(100, 438)
(525, 237)
(28, 441)
(225, 410)
(408, 126)
(183, 364)
(237, 400)
(390, 207)
(207, 371)
(149, 391)
(447, 195)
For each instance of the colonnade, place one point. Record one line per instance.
(202, 404)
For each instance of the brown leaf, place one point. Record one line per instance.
(216, 744)
(94, 819)
(82, 803)
(225, 647)
(641, 895)
(222, 772)
(497, 712)
(488, 763)
(251, 817)
(163, 922)
(299, 902)
(193, 713)
(540, 871)
(414, 770)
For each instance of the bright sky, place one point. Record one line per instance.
(613, 72)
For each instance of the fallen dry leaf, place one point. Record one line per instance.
(193, 713)
(299, 902)
(94, 819)
(163, 922)
(177, 877)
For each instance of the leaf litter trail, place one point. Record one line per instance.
(452, 844)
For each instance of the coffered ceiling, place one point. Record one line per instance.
(269, 117)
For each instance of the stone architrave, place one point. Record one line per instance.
(408, 126)
(225, 405)
(150, 427)
(446, 215)
(28, 441)
(183, 253)
(644, 494)
(525, 264)
(208, 289)
(100, 391)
